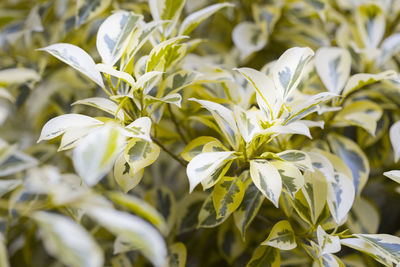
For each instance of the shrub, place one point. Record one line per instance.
(270, 143)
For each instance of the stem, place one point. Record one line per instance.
(178, 129)
(175, 157)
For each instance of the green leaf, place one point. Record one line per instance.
(281, 236)
(225, 120)
(114, 34)
(354, 157)
(288, 70)
(315, 191)
(87, 10)
(141, 208)
(265, 256)
(333, 65)
(135, 232)
(292, 179)
(248, 209)
(76, 58)
(140, 153)
(209, 165)
(103, 104)
(68, 241)
(327, 243)
(177, 255)
(267, 179)
(394, 133)
(371, 24)
(95, 154)
(230, 244)
(228, 194)
(188, 210)
(298, 158)
(194, 19)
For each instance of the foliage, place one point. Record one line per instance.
(199, 133)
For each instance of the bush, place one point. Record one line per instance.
(212, 134)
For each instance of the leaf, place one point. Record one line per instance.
(327, 243)
(177, 255)
(228, 194)
(17, 162)
(281, 236)
(95, 154)
(341, 195)
(298, 158)
(135, 231)
(68, 241)
(394, 133)
(103, 104)
(174, 99)
(114, 34)
(194, 147)
(354, 157)
(60, 124)
(266, 17)
(390, 47)
(229, 242)
(207, 217)
(166, 10)
(3, 253)
(360, 80)
(269, 99)
(248, 209)
(225, 120)
(139, 128)
(247, 123)
(6, 95)
(17, 76)
(160, 55)
(292, 179)
(72, 136)
(267, 179)
(371, 24)
(76, 58)
(207, 165)
(176, 82)
(363, 217)
(108, 69)
(141, 208)
(8, 186)
(188, 210)
(87, 10)
(388, 245)
(265, 256)
(321, 163)
(333, 65)
(248, 38)
(288, 70)
(140, 153)
(124, 175)
(194, 19)
(394, 175)
(315, 191)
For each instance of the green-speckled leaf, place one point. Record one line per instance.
(248, 38)
(140, 153)
(292, 179)
(207, 216)
(169, 10)
(114, 34)
(354, 157)
(267, 179)
(177, 255)
(299, 158)
(371, 23)
(188, 211)
(87, 10)
(247, 123)
(166, 54)
(281, 236)
(315, 191)
(388, 245)
(265, 256)
(230, 244)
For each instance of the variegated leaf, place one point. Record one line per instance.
(394, 175)
(390, 47)
(225, 120)
(298, 158)
(327, 243)
(207, 217)
(8, 185)
(139, 128)
(167, 10)
(16, 162)
(86, 10)
(288, 70)
(363, 217)
(135, 231)
(71, 137)
(96, 153)
(266, 17)
(388, 245)
(265, 256)
(230, 244)
(281, 236)
(209, 165)
(194, 19)
(124, 175)
(354, 157)
(228, 194)
(333, 66)
(60, 124)
(195, 147)
(267, 179)
(247, 123)
(165, 54)
(395, 139)
(315, 191)
(341, 195)
(68, 241)
(177, 255)
(371, 23)
(321, 163)
(248, 209)
(140, 153)
(292, 179)
(103, 104)
(248, 38)
(76, 58)
(188, 210)
(108, 69)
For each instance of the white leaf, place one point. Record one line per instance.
(119, 74)
(18, 76)
(248, 37)
(395, 139)
(340, 197)
(103, 104)
(394, 175)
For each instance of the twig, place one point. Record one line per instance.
(177, 127)
(178, 159)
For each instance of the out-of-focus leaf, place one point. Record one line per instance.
(89, 9)
(265, 256)
(177, 255)
(395, 139)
